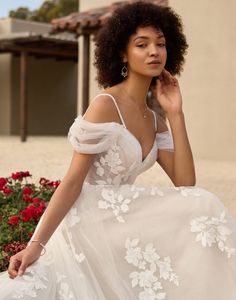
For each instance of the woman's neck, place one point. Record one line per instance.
(136, 87)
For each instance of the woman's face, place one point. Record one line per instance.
(146, 52)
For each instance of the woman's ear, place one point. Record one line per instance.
(123, 57)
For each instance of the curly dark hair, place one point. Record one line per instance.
(112, 39)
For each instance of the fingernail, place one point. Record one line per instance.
(20, 273)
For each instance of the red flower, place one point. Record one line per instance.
(48, 183)
(3, 182)
(27, 198)
(27, 190)
(43, 181)
(13, 220)
(56, 183)
(7, 190)
(14, 247)
(30, 234)
(26, 215)
(20, 175)
(36, 211)
(33, 212)
(36, 201)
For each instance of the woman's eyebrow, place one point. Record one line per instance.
(145, 37)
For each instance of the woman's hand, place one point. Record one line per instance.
(168, 93)
(21, 260)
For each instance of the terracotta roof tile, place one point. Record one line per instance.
(92, 19)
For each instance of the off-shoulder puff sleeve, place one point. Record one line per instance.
(91, 138)
(165, 141)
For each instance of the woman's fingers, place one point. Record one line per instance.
(22, 268)
(168, 78)
(20, 261)
(13, 267)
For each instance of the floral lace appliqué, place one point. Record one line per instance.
(212, 231)
(187, 191)
(33, 281)
(79, 257)
(112, 161)
(117, 202)
(155, 191)
(72, 217)
(64, 292)
(151, 269)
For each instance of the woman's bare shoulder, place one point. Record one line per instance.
(101, 109)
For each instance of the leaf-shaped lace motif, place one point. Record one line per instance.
(150, 270)
(64, 292)
(33, 280)
(117, 202)
(212, 231)
(110, 164)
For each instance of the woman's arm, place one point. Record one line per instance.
(64, 196)
(179, 165)
(61, 201)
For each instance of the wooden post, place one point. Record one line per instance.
(23, 95)
(85, 75)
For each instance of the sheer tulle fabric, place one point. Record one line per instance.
(123, 241)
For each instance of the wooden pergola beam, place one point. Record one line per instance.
(6, 48)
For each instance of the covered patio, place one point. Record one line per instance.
(25, 44)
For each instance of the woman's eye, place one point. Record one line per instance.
(161, 45)
(141, 45)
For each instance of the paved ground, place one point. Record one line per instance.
(50, 156)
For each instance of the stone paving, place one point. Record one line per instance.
(49, 156)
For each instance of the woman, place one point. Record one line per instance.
(119, 240)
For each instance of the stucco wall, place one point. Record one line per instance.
(85, 5)
(209, 75)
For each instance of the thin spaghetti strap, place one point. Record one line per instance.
(117, 107)
(155, 119)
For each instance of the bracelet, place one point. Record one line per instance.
(41, 244)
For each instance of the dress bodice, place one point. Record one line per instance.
(118, 152)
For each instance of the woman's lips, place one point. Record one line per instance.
(154, 64)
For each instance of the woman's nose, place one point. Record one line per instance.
(153, 51)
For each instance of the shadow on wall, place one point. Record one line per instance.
(52, 96)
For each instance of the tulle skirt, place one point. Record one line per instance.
(130, 242)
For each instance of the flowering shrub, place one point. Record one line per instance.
(21, 205)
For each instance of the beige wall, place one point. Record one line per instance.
(85, 4)
(209, 75)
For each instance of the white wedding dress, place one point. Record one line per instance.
(121, 241)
